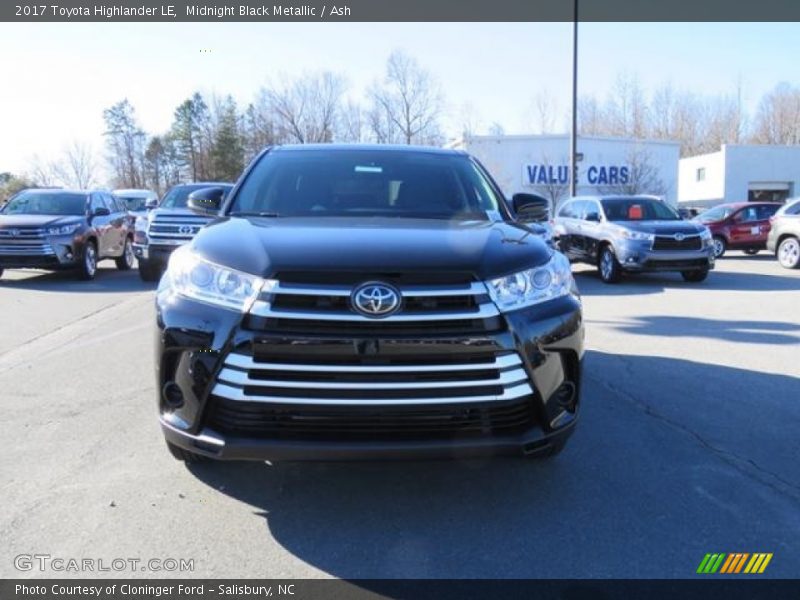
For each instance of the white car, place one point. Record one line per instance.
(137, 201)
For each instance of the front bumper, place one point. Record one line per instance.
(154, 252)
(638, 256)
(56, 252)
(194, 340)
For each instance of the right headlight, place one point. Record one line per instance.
(636, 235)
(194, 277)
(533, 286)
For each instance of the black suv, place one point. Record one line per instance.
(366, 302)
(633, 234)
(63, 229)
(167, 227)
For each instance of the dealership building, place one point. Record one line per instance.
(540, 164)
(740, 173)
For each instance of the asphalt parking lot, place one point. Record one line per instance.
(688, 443)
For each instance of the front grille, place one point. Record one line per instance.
(175, 229)
(668, 242)
(245, 377)
(306, 308)
(256, 420)
(24, 242)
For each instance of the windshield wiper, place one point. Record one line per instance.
(254, 214)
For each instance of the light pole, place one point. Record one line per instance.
(573, 140)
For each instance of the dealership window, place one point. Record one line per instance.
(701, 174)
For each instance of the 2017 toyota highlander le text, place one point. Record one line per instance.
(354, 302)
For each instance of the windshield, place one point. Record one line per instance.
(638, 209)
(718, 213)
(133, 203)
(46, 203)
(178, 196)
(366, 183)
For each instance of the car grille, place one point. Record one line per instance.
(474, 395)
(24, 242)
(451, 307)
(668, 242)
(175, 229)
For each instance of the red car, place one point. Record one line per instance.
(739, 225)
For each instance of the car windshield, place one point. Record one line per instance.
(367, 183)
(792, 207)
(46, 203)
(718, 213)
(178, 196)
(638, 209)
(133, 203)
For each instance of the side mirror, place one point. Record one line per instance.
(531, 208)
(101, 211)
(593, 216)
(206, 201)
(151, 203)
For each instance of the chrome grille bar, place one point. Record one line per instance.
(264, 309)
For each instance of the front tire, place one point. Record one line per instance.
(125, 262)
(186, 456)
(149, 271)
(789, 253)
(88, 267)
(695, 276)
(720, 246)
(608, 266)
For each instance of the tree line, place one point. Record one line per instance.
(213, 138)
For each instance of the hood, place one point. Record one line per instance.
(662, 227)
(266, 246)
(174, 211)
(30, 221)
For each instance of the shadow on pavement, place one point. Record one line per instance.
(649, 482)
(590, 284)
(108, 280)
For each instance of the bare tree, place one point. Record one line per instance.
(554, 183)
(544, 111)
(407, 104)
(470, 119)
(777, 119)
(42, 171)
(643, 176)
(307, 108)
(352, 125)
(78, 168)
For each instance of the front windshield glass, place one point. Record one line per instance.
(718, 213)
(178, 196)
(364, 183)
(46, 203)
(638, 209)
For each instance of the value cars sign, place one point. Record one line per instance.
(543, 174)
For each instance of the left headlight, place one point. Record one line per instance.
(63, 229)
(705, 234)
(533, 286)
(204, 281)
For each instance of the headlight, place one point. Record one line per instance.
(636, 235)
(140, 224)
(63, 229)
(140, 230)
(533, 286)
(201, 280)
(705, 234)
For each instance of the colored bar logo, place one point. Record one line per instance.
(737, 562)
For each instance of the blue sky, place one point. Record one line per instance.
(59, 77)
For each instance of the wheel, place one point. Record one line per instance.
(125, 262)
(720, 246)
(609, 267)
(149, 271)
(789, 253)
(88, 267)
(751, 251)
(695, 276)
(186, 456)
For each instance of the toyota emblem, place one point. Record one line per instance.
(375, 299)
(186, 229)
(13, 232)
(679, 237)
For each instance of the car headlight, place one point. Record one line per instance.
(140, 230)
(63, 229)
(705, 234)
(636, 235)
(533, 286)
(204, 281)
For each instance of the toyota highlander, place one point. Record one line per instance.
(352, 302)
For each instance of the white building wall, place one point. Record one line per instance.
(514, 159)
(735, 170)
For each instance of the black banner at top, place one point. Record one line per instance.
(397, 10)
